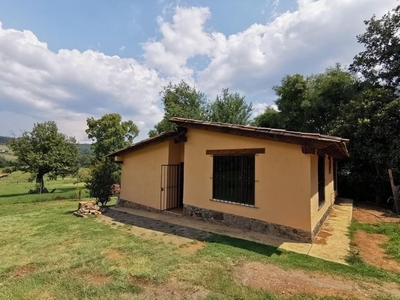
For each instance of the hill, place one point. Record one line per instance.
(4, 140)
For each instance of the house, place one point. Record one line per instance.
(268, 180)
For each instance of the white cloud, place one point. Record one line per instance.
(315, 36)
(122, 48)
(68, 86)
(182, 39)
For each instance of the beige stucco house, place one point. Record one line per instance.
(268, 180)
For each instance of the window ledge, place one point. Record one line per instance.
(233, 203)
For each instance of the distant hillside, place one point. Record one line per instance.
(4, 140)
(84, 148)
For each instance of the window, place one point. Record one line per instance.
(233, 178)
(321, 180)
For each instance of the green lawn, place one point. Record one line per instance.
(15, 188)
(47, 253)
(9, 155)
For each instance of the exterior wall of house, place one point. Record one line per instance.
(175, 154)
(282, 174)
(318, 213)
(141, 172)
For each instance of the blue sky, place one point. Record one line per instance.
(70, 60)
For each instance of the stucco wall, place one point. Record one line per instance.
(318, 212)
(175, 153)
(141, 175)
(282, 188)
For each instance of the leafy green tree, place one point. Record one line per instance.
(372, 122)
(312, 103)
(4, 162)
(292, 102)
(230, 108)
(43, 151)
(379, 63)
(103, 175)
(270, 118)
(180, 100)
(109, 133)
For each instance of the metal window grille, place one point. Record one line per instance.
(234, 178)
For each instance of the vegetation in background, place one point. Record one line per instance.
(109, 133)
(230, 108)
(362, 105)
(183, 101)
(43, 151)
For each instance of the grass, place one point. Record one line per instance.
(9, 155)
(391, 230)
(47, 253)
(14, 189)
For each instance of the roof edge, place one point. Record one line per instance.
(332, 145)
(163, 137)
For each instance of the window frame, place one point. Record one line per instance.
(246, 176)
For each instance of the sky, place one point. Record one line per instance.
(67, 61)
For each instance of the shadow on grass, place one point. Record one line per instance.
(190, 232)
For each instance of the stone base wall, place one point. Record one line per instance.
(129, 204)
(320, 222)
(248, 223)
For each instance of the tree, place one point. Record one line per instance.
(372, 122)
(109, 133)
(45, 151)
(379, 64)
(180, 100)
(230, 108)
(103, 175)
(310, 104)
(270, 119)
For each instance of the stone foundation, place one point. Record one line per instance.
(129, 204)
(320, 222)
(248, 223)
(239, 221)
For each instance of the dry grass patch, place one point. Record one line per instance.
(114, 254)
(369, 246)
(23, 271)
(172, 289)
(288, 283)
(97, 279)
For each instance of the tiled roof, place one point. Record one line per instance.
(310, 142)
(147, 142)
(331, 145)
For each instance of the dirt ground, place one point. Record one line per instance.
(370, 249)
(257, 275)
(294, 282)
(369, 246)
(370, 214)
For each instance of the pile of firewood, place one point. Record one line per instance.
(87, 208)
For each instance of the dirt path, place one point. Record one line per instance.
(294, 282)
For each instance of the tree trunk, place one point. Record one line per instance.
(39, 180)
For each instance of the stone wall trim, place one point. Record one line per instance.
(247, 223)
